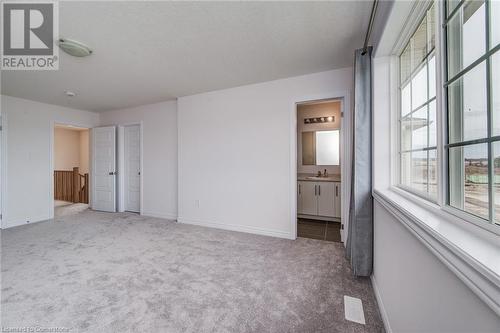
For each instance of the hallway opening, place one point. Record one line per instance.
(71, 169)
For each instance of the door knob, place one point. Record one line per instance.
(112, 173)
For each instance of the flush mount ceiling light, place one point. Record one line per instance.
(69, 93)
(74, 48)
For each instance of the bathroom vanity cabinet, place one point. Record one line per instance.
(318, 199)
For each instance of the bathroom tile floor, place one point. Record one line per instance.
(315, 229)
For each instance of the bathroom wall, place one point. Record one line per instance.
(323, 109)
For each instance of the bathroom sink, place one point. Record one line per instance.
(316, 178)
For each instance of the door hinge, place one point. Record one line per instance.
(342, 226)
(342, 114)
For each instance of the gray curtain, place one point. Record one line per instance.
(360, 235)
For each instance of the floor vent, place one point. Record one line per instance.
(353, 310)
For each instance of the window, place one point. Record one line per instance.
(472, 90)
(417, 120)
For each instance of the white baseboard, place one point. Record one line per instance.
(233, 227)
(381, 307)
(17, 222)
(168, 216)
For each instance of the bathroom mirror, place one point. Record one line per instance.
(321, 148)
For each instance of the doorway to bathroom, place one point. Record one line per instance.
(319, 186)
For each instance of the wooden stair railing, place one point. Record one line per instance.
(71, 186)
(83, 195)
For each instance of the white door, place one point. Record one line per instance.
(103, 183)
(326, 199)
(132, 168)
(337, 200)
(308, 202)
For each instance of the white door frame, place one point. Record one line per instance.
(121, 165)
(3, 166)
(345, 153)
(51, 157)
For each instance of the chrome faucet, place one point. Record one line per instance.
(325, 173)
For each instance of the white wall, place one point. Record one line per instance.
(159, 173)
(418, 292)
(84, 151)
(28, 132)
(66, 149)
(71, 149)
(237, 152)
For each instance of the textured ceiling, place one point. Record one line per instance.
(147, 52)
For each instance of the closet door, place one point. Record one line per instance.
(132, 136)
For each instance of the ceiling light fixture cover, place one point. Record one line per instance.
(69, 93)
(74, 48)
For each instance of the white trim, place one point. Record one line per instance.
(3, 171)
(19, 222)
(441, 164)
(472, 257)
(381, 306)
(167, 216)
(120, 163)
(318, 217)
(239, 228)
(345, 160)
(394, 120)
(416, 15)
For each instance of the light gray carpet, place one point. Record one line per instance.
(100, 272)
(64, 208)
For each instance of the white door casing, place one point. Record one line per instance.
(132, 169)
(1, 159)
(104, 169)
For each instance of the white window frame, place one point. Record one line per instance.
(422, 13)
(489, 224)
(440, 204)
(468, 249)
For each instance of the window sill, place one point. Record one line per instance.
(470, 252)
